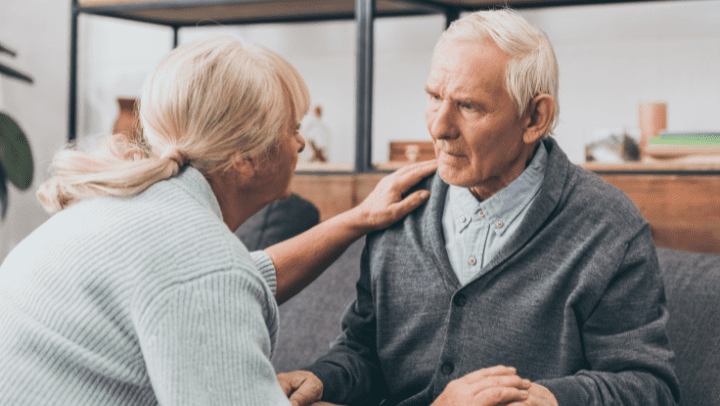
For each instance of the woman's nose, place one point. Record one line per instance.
(301, 141)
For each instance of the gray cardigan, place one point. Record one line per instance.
(574, 301)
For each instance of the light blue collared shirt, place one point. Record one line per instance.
(476, 231)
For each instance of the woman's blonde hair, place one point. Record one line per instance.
(532, 69)
(208, 102)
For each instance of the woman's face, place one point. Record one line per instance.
(278, 170)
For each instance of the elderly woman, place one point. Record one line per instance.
(136, 292)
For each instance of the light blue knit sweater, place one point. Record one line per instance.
(138, 301)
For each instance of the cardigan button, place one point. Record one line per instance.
(460, 300)
(447, 368)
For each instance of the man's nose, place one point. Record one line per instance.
(443, 123)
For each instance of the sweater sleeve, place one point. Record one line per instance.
(625, 344)
(206, 342)
(266, 267)
(350, 371)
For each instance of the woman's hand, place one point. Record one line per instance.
(385, 205)
(301, 259)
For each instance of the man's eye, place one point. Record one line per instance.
(466, 106)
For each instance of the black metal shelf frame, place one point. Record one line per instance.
(364, 13)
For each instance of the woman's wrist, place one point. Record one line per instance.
(355, 222)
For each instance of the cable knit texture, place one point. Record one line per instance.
(142, 300)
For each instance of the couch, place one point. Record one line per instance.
(311, 320)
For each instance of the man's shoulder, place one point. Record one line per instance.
(596, 196)
(420, 221)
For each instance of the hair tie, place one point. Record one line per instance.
(175, 155)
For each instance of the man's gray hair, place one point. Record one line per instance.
(532, 68)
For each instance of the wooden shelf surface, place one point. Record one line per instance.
(680, 200)
(195, 12)
(700, 163)
(192, 12)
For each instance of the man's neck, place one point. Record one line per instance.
(496, 184)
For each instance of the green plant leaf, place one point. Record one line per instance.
(15, 154)
(3, 194)
(6, 70)
(7, 50)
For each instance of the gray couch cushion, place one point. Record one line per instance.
(278, 221)
(311, 320)
(692, 287)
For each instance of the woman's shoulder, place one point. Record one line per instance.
(171, 237)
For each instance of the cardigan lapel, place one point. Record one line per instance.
(433, 237)
(547, 200)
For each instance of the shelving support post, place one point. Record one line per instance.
(364, 18)
(72, 94)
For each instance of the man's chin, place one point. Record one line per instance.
(452, 176)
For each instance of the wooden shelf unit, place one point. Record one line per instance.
(178, 14)
(197, 12)
(680, 200)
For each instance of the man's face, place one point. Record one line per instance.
(477, 135)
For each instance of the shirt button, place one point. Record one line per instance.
(499, 224)
(463, 219)
(460, 300)
(447, 368)
(480, 213)
(472, 261)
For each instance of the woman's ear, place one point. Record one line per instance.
(541, 111)
(245, 167)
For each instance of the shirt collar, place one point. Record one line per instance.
(502, 208)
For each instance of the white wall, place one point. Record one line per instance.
(323, 53)
(613, 57)
(114, 58)
(39, 31)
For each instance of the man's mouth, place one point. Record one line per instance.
(451, 153)
(443, 147)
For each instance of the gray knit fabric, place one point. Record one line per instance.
(138, 301)
(574, 301)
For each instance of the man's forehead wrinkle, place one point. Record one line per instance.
(447, 83)
(459, 78)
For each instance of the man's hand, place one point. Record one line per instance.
(301, 387)
(538, 395)
(385, 205)
(498, 385)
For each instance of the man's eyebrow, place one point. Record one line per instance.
(463, 101)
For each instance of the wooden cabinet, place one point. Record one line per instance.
(680, 201)
(334, 194)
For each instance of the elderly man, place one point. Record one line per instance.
(519, 259)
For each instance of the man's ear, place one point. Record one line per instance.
(541, 111)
